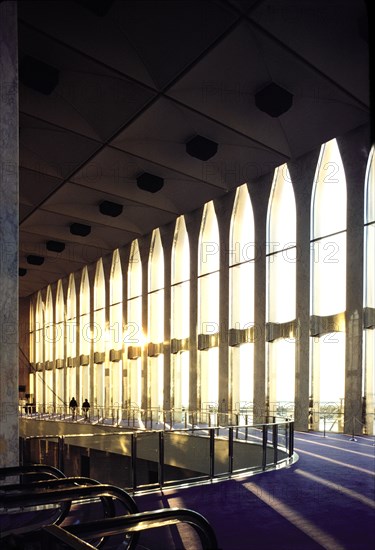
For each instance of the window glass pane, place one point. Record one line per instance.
(329, 189)
(369, 373)
(99, 284)
(328, 257)
(209, 377)
(60, 325)
(370, 265)
(209, 242)
(242, 241)
(115, 286)
(281, 216)
(156, 263)
(208, 304)
(134, 271)
(281, 361)
(49, 328)
(180, 319)
(180, 253)
(370, 189)
(242, 365)
(180, 374)
(84, 294)
(328, 353)
(281, 269)
(242, 295)
(156, 316)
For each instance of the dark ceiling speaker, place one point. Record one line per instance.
(35, 260)
(80, 229)
(273, 100)
(110, 208)
(22, 271)
(201, 148)
(98, 7)
(38, 75)
(55, 246)
(149, 182)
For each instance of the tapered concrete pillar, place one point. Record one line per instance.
(8, 235)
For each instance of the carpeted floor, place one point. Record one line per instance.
(325, 500)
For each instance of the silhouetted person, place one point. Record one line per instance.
(73, 406)
(85, 407)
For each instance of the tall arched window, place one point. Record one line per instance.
(369, 295)
(49, 341)
(133, 337)
(84, 337)
(32, 359)
(208, 308)
(180, 315)
(156, 321)
(100, 391)
(60, 346)
(241, 301)
(281, 292)
(328, 283)
(115, 330)
(39, 352)
(71, 339)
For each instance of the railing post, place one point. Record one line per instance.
(246, 427)
(264, 446)
(291, 438)
(212, 453)
(134, 459)
(230, 450)
(274, 441)
(161, 460)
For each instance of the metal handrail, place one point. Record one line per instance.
(31, 469)
(135, 523)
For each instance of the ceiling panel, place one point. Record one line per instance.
(137, 81)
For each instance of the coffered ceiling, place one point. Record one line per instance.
(134, 81)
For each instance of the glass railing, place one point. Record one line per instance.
(140, 459)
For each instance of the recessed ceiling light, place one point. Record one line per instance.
(38, 75)
(35, 260)
(55, 246)
(273, 100)
(22, 271)
(80, 229)
(110, 208)
(149, 182)
(201, 148)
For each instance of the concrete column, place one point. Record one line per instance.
(354, 150)
(259, 194)
(193, 221)
(302, 174)
(8, 236)
(167, 233)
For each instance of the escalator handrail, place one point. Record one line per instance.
(25, 498)
(148, 520)
(31, 469)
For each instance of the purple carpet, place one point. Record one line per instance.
(325, 500)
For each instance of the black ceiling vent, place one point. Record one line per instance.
(110, 208)
(201, 148)
(273, 100)
(149, 182)
(35, 260)
(38, 75)
(55, 246)
(98, 7)
(22, 271)
(80, 229)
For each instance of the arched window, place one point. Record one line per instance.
(133, 337)
(39, 352)
(180, 315)
(115, 330)
(84, 337)
(281, 292)
(100, 391)
(71, 339)
(369, 296)
(49, 341)
(208, 308)
(32, 359)
(241, 301)
(328, 283)
(156, 321)
(60, 346)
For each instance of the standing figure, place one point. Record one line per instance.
(73, 406)
(85, 408)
